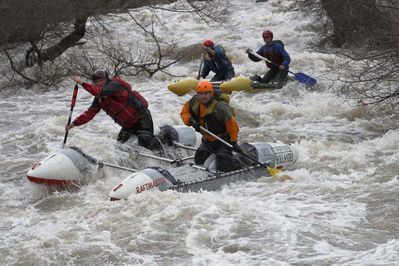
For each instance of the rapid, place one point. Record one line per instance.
(341, 208)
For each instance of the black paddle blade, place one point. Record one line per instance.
(303, 78)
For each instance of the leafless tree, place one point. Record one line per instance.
(354, 23)
(56, 41)
(365, 35)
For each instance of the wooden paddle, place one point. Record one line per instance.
(200, 68)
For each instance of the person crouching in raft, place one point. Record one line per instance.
(216, 116)
(274, 51)
(216, 60)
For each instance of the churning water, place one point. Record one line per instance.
(340, 208)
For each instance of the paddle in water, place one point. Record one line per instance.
(274, 172)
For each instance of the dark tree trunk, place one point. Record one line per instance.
(25, 20)
(354, 21)
(70, 40)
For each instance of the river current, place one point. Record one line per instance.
(341, 208)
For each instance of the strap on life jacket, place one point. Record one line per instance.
(133, 101)
(209, 117)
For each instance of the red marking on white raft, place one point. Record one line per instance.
(51, 182)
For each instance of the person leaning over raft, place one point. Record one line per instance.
(215, 60)
(275, 52)
(204, 110)
(125, 106)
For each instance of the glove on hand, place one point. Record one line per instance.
(248, 51)
(195, 124)
(236, 147)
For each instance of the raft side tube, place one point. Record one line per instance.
(183, 86)
(182, 134)
(277, 155)
(146, 179)
(61, 168)
(239, 83)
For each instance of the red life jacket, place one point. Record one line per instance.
(124, 105)
(118, 100)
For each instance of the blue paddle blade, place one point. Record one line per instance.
(303, 78)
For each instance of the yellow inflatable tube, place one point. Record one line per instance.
(236, 84)
(183, 86)
(187, 85)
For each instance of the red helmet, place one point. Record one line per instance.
(204, 86)
(208, 43)
(267, 33)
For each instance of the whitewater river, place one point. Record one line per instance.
(341, 208)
